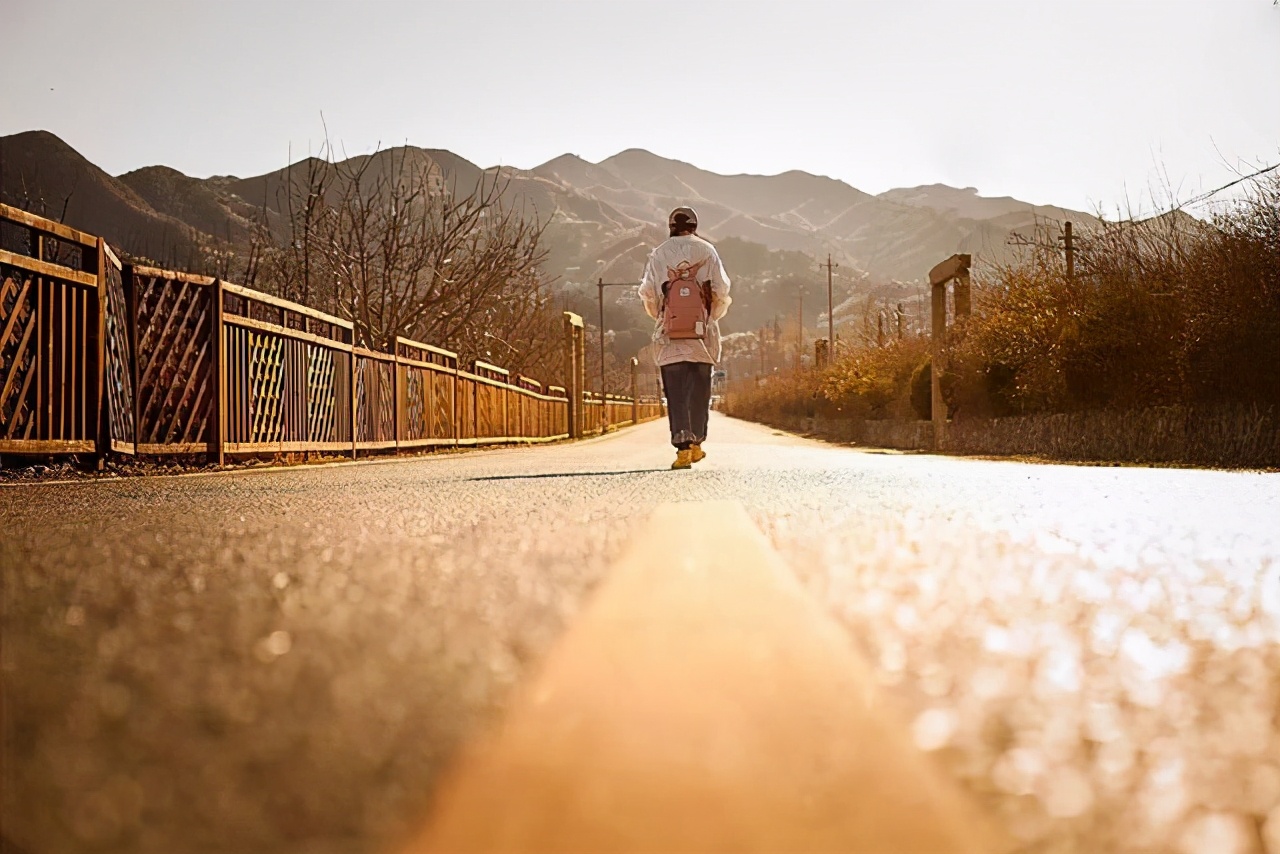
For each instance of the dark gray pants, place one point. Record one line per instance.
(687, 386)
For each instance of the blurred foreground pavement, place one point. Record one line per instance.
(284, 660)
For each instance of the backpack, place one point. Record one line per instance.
(686, 302)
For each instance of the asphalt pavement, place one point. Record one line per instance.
(285, 659)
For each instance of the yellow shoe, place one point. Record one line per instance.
(698, 455)
(684, 460)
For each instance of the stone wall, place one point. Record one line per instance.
(1242, 436)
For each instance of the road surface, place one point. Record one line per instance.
(285, 659)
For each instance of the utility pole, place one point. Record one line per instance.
(1070, 247)
(800, 349)
(600, 286)
(831, 315)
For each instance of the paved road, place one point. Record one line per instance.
(283, 660)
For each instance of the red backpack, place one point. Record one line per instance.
(686, 302)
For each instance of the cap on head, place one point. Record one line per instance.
(682, 219)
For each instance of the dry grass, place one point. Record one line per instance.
(1160, 349)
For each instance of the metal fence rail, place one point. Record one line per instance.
(99, 356)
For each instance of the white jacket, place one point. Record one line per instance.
(691, 248)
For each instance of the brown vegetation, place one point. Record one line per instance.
(1174, 317)
(383, 242)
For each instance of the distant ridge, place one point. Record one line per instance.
(40, 172)
(601, 216)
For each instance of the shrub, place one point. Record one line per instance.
(1167, 311)
(1171, 311)
(922, 390)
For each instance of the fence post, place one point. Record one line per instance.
(131, 322)
(956, 267)
(355, 398)
(581, 352)
(457, 428)
(506, 411)
(102, 439)
(217, 370)
(938, 407)
(963, 291)
(635, 391)
(398, 390)
(575, 371)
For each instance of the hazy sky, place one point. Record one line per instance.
(1081, 103)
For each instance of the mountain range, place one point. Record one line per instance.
(603, 217)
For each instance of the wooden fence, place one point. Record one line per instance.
(99, 356)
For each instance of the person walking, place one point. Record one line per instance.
(686, 290)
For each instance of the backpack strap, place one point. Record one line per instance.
(685, 272)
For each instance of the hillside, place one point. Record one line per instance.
(602, 218)
(41, 173)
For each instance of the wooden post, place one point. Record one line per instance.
(1069, 245)
(580, 356)
(507, 432)
(576, 370)
(600, 290)
(355, 399)
(831, 312)
(398, 389)
(217, 369)
(635, 391)
(800, 343)
(131, 324)
(429, 398)
(938, 346)
(954, 268)
(102, 441)
(963, 297)
(569, 370)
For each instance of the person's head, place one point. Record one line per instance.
(682, 221)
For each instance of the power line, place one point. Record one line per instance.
(1205, 196)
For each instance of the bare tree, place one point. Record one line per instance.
(383, 241)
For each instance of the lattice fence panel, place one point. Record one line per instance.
(18, 344)
(342, 395)
(375, 399)
(362, 400)
(174, 360)
(119, 367)
(266, 387)
(322, 414)
(295, 410)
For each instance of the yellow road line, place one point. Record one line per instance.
(701, 702)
